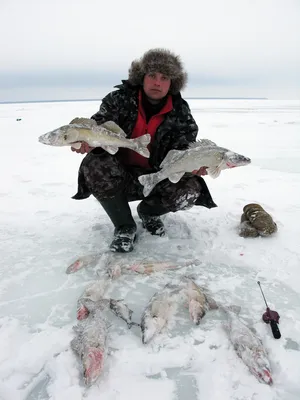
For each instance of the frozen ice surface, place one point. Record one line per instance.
(43, 231)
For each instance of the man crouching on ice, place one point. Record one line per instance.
(148, 102)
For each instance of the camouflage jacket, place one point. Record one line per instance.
(176, 131)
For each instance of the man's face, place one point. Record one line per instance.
(156, 85)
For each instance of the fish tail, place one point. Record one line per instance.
(83, 191)
(149, 181)
(131, 323)
(141, 144)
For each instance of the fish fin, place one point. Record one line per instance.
(233, 308)
(213, 305)
(84, 121)
(141, 145)
(202, 143)
(174, 178)
(113, 127)
(134, 324)
(214, 172)
(171, 156)
(110, 149)
(75, 345)
(76, 145)
(77, 329)
(149, 181)
(112, 350)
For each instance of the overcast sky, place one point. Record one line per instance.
(67, 49)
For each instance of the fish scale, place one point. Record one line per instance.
(108, 135)
(248, 347)
(203, 153)
(91, 341)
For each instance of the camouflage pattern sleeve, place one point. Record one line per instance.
(187, 127)
(191, 126)
(109, 109)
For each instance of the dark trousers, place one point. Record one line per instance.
(103, 175)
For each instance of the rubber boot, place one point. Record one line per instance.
(150, 216)
(119, 212)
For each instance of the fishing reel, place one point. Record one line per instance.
(271, 317)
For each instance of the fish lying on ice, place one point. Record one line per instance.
(121, 310)
(203, 153)
(248, 346)
(115, 266)
(199, 301)
(91, 341)
(94, 292)
(82, 262)
(108, 135)
(149, 267)
(160, 308)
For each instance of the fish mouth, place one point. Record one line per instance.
(50, 142)
(44, 139)
(82, 313)
(231, 164)
(48, 139)
(265, 376)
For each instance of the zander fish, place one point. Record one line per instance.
(248, 347)
(108, 135)
(90, 342)
(160, 309)
(203, 153)
(199, 301)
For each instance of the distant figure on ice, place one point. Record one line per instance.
(149, 101)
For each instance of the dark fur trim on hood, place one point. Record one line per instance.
(159, 60)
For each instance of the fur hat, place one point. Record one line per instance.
(159, 60)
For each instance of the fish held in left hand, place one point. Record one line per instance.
(108, 135)
(203, 153)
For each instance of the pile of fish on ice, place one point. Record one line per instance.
(91, 339)
(92, 334)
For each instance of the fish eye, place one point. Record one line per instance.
(65, 136)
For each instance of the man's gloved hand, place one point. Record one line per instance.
(85, 148)
(200, 172)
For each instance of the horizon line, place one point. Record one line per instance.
(100, 99)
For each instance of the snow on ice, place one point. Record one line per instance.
(43, 231)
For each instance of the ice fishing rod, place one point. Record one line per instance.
(271, 317)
